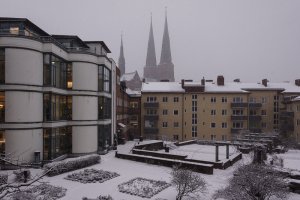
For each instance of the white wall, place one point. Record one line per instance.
(85, 108)
(84, 139)
(23, 106)
(21, 144)
(85, 76)
(23, 66)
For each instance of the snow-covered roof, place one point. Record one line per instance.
(133, 93)
(234, 87)
(128, 76)
(162, 87)
(296, 98)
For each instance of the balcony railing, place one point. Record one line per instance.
(151, 117)
(255, 105)
(151, 104)
(239, 117)
(286, 114)
(255, 118)
(239, 105)
(151, 130)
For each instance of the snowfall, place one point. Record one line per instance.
(128, 170)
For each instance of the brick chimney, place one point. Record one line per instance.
(203, 81)
(265, 82)
(297, 82)
(220, 80)
(182, 83)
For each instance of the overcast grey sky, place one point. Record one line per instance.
(246, 39)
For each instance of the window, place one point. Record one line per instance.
(224, 112)
(175, 112)
(213, 99)
(104, 108)
(276, 98)
(194, 97)
(104, 79)
(151, 99)
(298, 122)
(264, 100)
(165, 124)
(194, 106)
(2, 107)
(104, 136)
(224, 124)
(263, 112)
(176, 124)
(224, 99)
(264, 125)
(252, 100)
(175, 137)
(57, 142)
(165, 99)
(2, 66)
(224, 137)
(237, 99)
(213, 125)
(165, 112)
(237, 112)
(194, 118)
(134, 104)
(2, 141)
(213, 112)
(57, 72)
(252, 112)
(238, 125)
(176, 99)
(57, 107)
(194, 131)
(152, 111)
(213, 137)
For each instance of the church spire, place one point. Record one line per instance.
(151, 56)
(166, 49)
(122, 58)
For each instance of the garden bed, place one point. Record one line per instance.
(91, 176)
(145, 188)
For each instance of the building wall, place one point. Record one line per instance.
(296, 110)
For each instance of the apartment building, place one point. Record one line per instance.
(56, 94)
(212, 110)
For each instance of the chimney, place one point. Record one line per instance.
(144, 80)
(297, 82)
(220, 80)
(203, 81)
(265, 82)
(182, 83)
(237, 80)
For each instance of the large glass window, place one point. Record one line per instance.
(57, 107)
(104, 79)
(57, 72)
(2, 107)
(2, 142)
(2, 66)
(57, 142)
(104, 108)
(104, 136)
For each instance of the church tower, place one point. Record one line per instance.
(150, 69)
(121, 59)
(166, 67)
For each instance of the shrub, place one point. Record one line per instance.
(3, 178)
(22, 175)
(61, 167)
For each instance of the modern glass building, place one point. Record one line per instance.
(56, 94)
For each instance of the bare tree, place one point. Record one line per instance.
(187, 183)
(254, 182)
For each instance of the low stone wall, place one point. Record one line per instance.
(197, 167)
(158, 154)
(151, 146)
(185, 143)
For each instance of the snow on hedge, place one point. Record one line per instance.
(71, 164)
(91, 176)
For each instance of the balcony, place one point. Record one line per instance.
(239, 105)
(151, 104)
(286, 114)
(239, 117)
(151, 130)
(151, 117)
(255, 105)
(255, 118)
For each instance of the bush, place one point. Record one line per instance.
(3, 178)
(22, 175)
(61, 167)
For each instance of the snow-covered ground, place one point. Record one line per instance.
(129, 170)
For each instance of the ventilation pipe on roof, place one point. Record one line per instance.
(203, 81)
(237, 80)
(265, 82)
(297, 82)
(220, 80)
(182, 83)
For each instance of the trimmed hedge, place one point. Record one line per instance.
(61, 167)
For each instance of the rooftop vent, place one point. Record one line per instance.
(220, 80)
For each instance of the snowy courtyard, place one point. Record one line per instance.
(132, 173)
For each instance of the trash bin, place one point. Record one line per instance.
(37, 156)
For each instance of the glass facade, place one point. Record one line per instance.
(2, 66)
(57, 142)
(104, 136)
(2, 142)
(57, 72)
(2, 106)
(104, 108)
(57, 107)
(104, 79)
